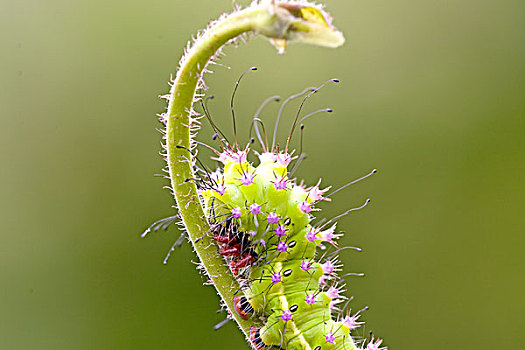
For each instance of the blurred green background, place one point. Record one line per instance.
(432, 94)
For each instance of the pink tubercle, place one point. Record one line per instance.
(329, 235)
(306, 265)
(310, 299)
(286, 315)
(247, 179)
(239, 157)
(280, 184)
(255, 209)
(330, 338)
(220, 189)
(328, 267)
(282, 247)
(280, 230)
(272, 218)
(316, 194)
(333, 293)
(283, 159)
(305, 207)
(276, 277)
(229, 155)
(374, 345)
(351, 321)
(236, 213)
(310, 236)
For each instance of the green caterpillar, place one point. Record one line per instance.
(259, 217)
(286, 285)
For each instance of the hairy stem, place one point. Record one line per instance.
(179, 159)
(273, 20)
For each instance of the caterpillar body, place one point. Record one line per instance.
(282, 283)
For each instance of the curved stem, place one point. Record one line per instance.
(179, 158)
(271, 20)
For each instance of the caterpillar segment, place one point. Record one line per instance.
(266, 229)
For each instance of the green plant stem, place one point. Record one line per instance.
(179, 159)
